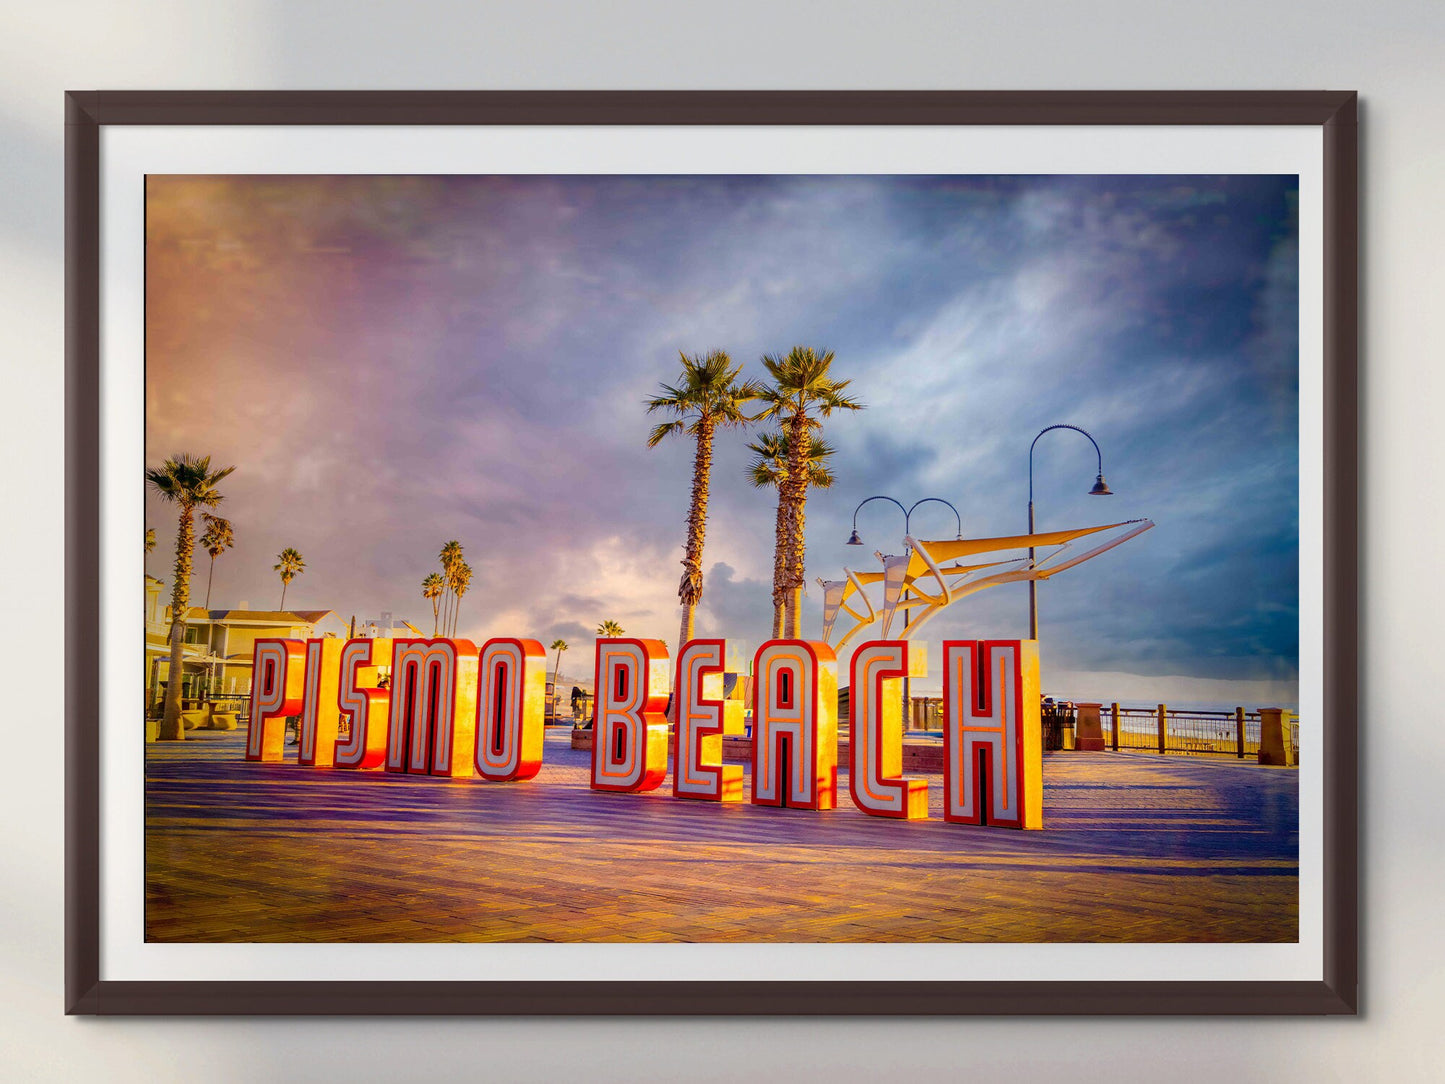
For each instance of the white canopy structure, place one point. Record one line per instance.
(934, 575)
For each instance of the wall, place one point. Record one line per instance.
(1389, 50)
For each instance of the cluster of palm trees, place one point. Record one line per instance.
(710, 395)
(444, 589)
(188, 482)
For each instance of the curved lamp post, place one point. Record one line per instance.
(1101, 489)
(854, 540)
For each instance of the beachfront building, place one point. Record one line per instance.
(216, 658)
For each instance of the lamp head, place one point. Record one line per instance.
(1101, 488)
(853, 539)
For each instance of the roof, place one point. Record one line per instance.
(281, 617)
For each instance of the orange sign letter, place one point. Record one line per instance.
(992, 738)
(364, 703)
(703, 717)
(276, 691)
(629, 739)
(511, 709)
(320, 722)
(433, 726)
(875, 748)
(795, 725)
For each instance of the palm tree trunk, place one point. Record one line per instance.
(780, 558)
(689, 589)
(209, 577)
(434, 602)
(284, 585)
(172, 728)
(797, 482)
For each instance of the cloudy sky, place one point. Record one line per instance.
(392, 362)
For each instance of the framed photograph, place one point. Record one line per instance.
(711, 553)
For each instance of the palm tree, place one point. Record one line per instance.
(292, 565)
(463, 580)
(189, 483)
(451, 557)
(219, 537)
(150, 539)
(802, 391)
(707, 398)
(558, 646)
(770, 454)
(431, 589)
(609, 628)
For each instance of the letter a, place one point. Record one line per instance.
(795, 725)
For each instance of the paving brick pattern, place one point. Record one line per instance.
(1135, 848)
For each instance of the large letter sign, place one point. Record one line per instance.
(992, 738)
(320, 722)
(433, 727)
(795, 725)
(276, 691)
(875, 748)
(511, 709)
(629, 739)
(364, 703)
(703, 717)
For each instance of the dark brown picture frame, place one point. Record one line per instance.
(88, 112)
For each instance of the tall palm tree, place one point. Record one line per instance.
(462, 580)
(189, 483)
(770, 454)
(558, 646)
(451, 557)
(292, 565)
(708, 397)
(217, 539)
(801, 393)
(610, 628)
(431, 589)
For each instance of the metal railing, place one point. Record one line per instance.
(1199, 733)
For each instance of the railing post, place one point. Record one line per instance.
(1239, 733)
(1274, 743)
(1163, 713)
(1114, 725)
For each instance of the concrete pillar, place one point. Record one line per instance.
(1274, 743)
(1089, 732)
(1162, 718)
(1239, 733)
(1114, 726)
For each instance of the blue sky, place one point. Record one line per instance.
(400, 361)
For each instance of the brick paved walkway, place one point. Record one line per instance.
(1135, 848)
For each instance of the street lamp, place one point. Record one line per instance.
(1101, 489)
(854, 540)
